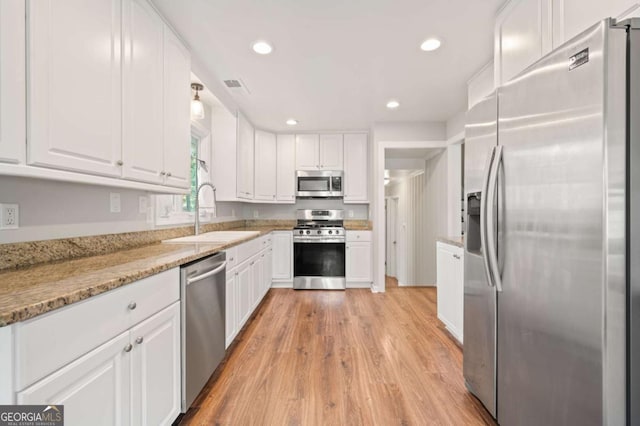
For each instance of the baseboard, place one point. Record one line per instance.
(281, 284)
(358, 284)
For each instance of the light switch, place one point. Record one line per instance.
(143, 204)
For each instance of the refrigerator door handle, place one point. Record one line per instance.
(483, 214)
(490, 220)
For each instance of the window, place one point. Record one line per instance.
(180, 209)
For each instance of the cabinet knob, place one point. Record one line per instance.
(456, 256)
(132, 305)
(119, 163)
(139, 339)
(128, 347)
(162, 173)
(252, 263)
(231, 259)
(168, 174)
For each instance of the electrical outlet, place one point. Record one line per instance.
(10, 216)
(143, 204)
(233, 212)
(351, 213)
(255, 214)
(114, 202)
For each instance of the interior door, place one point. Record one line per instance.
(550, 312)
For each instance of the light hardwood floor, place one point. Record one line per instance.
(341, 358)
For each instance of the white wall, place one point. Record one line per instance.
(455, 126)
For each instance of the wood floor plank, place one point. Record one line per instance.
(341, 358)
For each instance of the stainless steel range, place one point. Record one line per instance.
(319, 250)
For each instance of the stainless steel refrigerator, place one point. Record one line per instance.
(552, 249)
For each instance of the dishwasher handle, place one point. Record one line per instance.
(201, 277)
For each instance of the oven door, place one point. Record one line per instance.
(319, 265)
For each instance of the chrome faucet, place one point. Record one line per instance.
(215, 207)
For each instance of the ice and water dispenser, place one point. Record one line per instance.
(473, 222)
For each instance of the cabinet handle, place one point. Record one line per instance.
(456, 256)
(132, 306)
(119, 163)
(139, 339)
(128, 347)
(168, 174)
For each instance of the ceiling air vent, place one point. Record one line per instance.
(237, 87)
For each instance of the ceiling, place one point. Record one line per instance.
(336, 63)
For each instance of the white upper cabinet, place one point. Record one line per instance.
(143, 92)
(74, 102)
(307, 152)
(177, 103)
(331, 152)
(265, 166)
(286, 169)
(245, 158)
(12, 82)
(356, 158)
(571, 17)
(224, 135)
(522, 36)
(319, 152)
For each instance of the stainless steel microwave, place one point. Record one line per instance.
(319, 184)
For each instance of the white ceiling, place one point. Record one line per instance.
(336, 63)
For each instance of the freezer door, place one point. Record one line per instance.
(550, 312)
(479, 297)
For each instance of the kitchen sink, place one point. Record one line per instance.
(215, 237)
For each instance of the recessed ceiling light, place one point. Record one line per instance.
(393, 104)
(292, 122)
(262, 47)
(430, 44)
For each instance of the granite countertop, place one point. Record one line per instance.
(454, 241)
(28, 292)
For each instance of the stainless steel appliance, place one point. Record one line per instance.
(319, 184)
(552, 287)
(319, 250)
(202, 285)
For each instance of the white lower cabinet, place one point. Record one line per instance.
(132, 379)
(111, 359)
(358, 259)
(248, 280)
(94, 389)
(450, 282)
(282, 259)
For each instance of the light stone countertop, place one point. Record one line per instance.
(28, 292)
(454, 241)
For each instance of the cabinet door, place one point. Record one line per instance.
(257, 266)
(286, 169)
(307, 152)
(12, 82)
(143, 92)
(268, 270)
(177, 119)
(245, 159)
(358, 262)
(356, 155)
(74, 80)
(457, 293)
(94, 389)
(244, 283)
(522, 35)
(155, 369)
(450, 284)
(571, 17)
(331, 152)
(231, 308)
(265, 167)
(283, 256)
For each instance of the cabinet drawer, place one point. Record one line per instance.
(358, 236)
(248, 249)
(65, 334)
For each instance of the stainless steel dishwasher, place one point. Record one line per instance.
(202, 296)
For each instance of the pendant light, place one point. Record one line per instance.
(197, 108)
